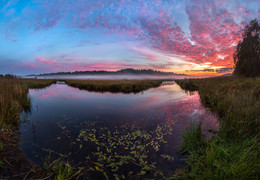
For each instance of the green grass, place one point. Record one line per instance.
(233, 153)
(114, 86)
(59, 169)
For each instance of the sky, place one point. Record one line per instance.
(194, 37)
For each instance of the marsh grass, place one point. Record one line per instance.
(14, 98)
(233, 153)
(13, 163)
(115, 86)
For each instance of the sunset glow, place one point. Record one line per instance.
(195, 37)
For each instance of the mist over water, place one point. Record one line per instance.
(110, 77)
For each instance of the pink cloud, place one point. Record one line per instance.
(214, 29)
(49, 62)
(213, 32)
(32, 65)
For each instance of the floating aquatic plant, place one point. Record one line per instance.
(119, 152)
(125, 146)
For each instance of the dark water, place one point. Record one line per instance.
(122, 134)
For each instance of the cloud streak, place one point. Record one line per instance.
(199, 31)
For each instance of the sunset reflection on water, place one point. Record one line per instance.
(59, 112)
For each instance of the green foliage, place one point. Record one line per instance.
(127, 145)
(247, 55)
(124, 146)
(65, 171)
(194, 139)
(220, 160)
(233, 153)
(60, 170)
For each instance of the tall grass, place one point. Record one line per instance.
(233, 153)
(14, 98)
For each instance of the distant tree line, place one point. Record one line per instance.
(120, 72)
(8, 76)
(247, 55)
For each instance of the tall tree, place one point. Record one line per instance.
(247, 55)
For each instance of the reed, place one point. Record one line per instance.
(14, 98)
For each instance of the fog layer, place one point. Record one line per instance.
(109, 77)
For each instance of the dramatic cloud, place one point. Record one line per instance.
(201, 33)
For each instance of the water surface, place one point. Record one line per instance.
(122, 134)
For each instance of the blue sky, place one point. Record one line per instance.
(192, 37)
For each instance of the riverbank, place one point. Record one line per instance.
(14, 99)
(233, 153)
(13, 163)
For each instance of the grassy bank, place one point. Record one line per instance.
(13, 163)
(114, 86)
(14, 99)
(233, 153)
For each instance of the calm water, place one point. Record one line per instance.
(112, 131)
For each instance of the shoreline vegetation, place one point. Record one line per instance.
(231, 154)
(14, 99)
(234, 152)
(114, 86)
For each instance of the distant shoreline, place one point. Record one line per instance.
(128, 71)
(108, 76)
